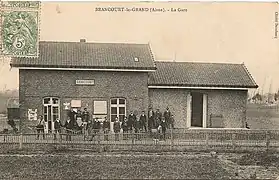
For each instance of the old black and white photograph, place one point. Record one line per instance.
(139, 90)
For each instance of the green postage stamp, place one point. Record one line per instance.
(20, 28)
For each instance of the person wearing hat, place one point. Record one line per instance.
(131, 120)
(69, 125)
(125, 129)
(150, 119)
(167, 116)
(106, 127)
(163, 125)
(85, 120)
(143, 120)
(57, 128)
(40, 127)
(116, 128)
(96, 128)
(158, 118)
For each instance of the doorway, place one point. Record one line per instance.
(197, 110)
(51, 113)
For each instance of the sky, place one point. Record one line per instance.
(234, 32)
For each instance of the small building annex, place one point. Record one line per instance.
(113, 79)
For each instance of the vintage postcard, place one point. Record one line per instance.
(139, 90)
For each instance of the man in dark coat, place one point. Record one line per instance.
(150, 119)
(137, 126)
(172, 121)
(167, 116)
(57, 128)
(158, 118)
(125, 129)
(85, 120)
(163, 125)
(40, 127)
(131, 120)
(116, 128)
(69, 125)
(72, 115)
(106, 128)
(96, 128)
(143, 120)
(79, 121)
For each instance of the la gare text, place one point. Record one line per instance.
(134, 9)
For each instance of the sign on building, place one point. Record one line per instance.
(85, 82)
(76, 103)
(100, 107)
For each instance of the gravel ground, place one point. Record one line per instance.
(111, 167)
(88, 165)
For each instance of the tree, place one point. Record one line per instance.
(257, 97)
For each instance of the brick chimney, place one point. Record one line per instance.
(82, 40)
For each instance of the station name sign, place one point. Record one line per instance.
(85, 82)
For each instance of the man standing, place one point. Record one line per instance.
(143, 121)
(163, 125)
(79, 120)
(131, 121)
(96, 128)
(158, 118)
(137, 128)
(116, 128)
(106, 127)
(85, 120)
(40, 127)
(69, 127)
(57, 128)
(172, 121)
(167, 116)
(124, 127)
(150, 119)
(72, 115)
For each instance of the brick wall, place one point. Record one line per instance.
(37, 84)
(175, 99)
(231, 104)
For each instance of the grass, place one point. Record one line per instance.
(110, 167)
(262, 117)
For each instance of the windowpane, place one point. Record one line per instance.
(121, 101)
(45, 117)
(122, 110)
(46, 100)
(55, 101)
(112, 118)
(55, 110)
(114, 101)
(49, 112)
(113, 110)
(55, 117)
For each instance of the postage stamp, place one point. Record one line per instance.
(20, 28)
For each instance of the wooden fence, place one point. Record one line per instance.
(181, 140)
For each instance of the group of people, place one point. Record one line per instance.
(80, 121)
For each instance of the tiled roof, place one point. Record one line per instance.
(90, 55)
(201, 75)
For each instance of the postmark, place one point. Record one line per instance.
(21, 4)
(20, 22)
(20, 33)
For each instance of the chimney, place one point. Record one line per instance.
(82, 40)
